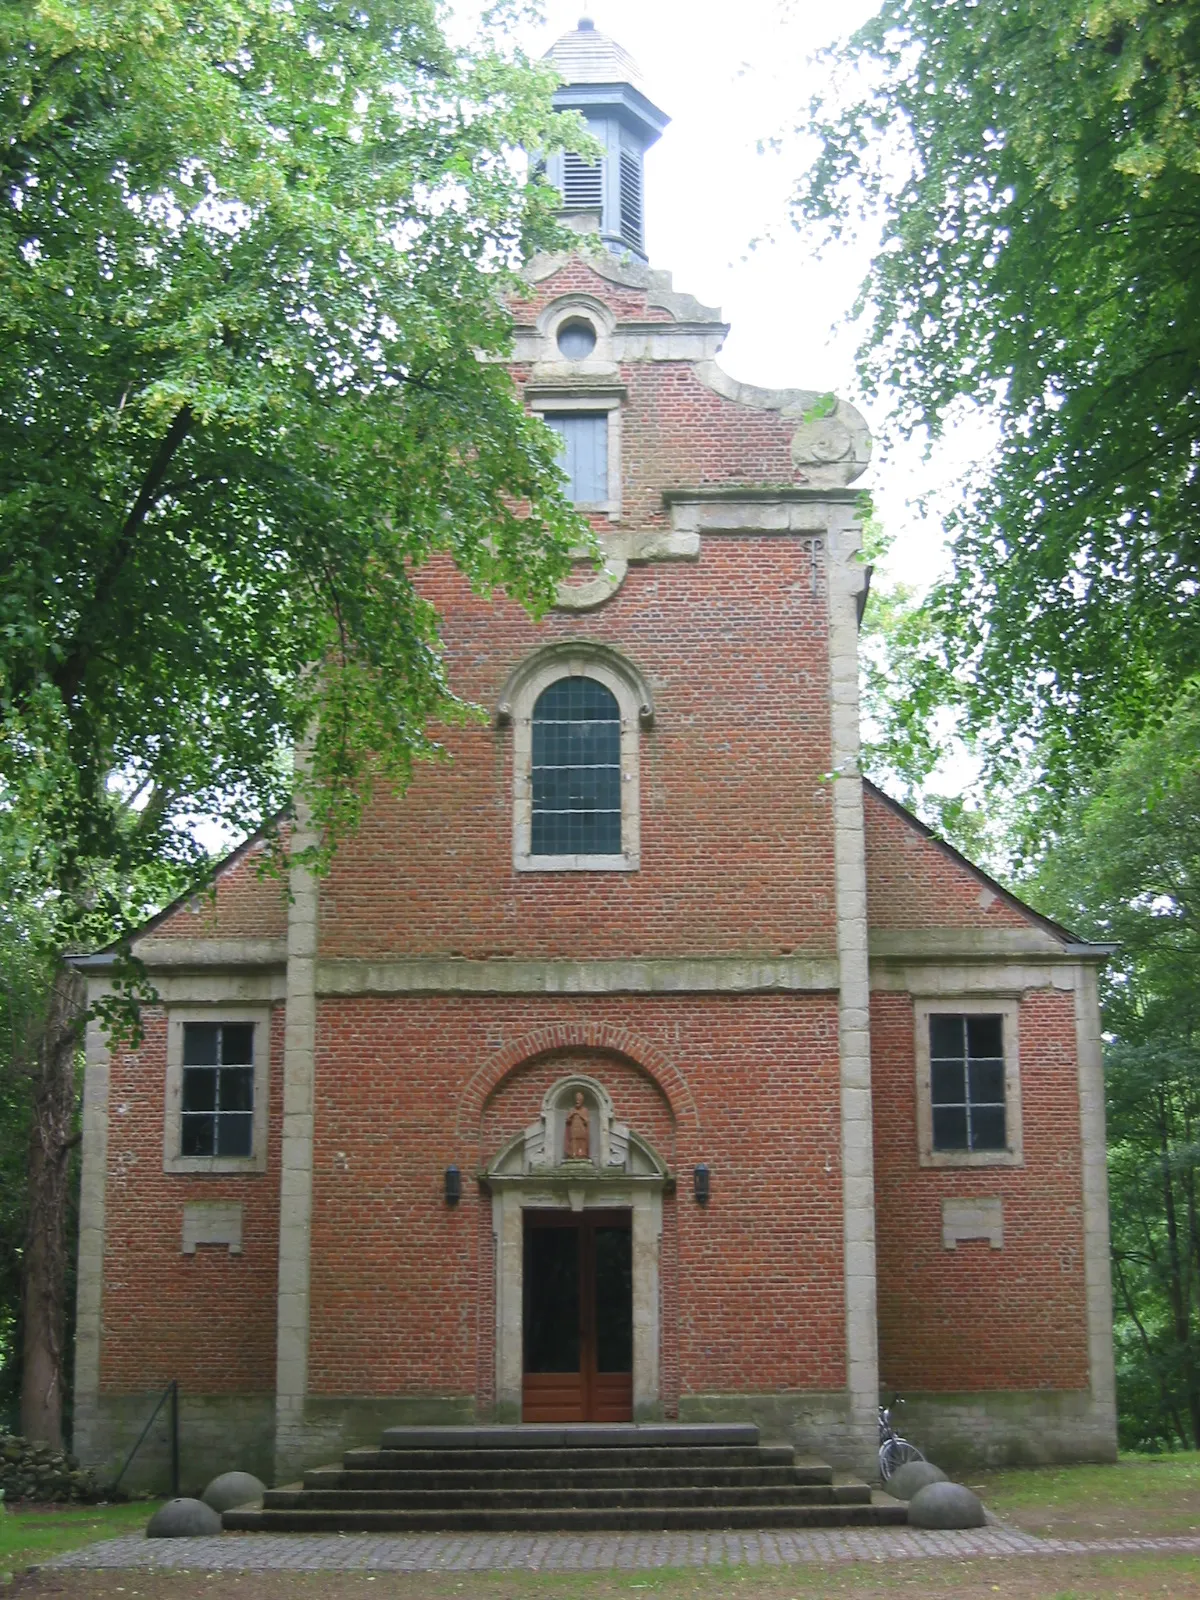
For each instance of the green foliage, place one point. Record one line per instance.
(250, 257)
(253, 266)
(1036, 168)
(1128, 869)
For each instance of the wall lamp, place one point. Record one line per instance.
(701, 1183)
(453, 1186)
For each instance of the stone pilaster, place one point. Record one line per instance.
(89, 1293)
(296, 1164)
(1096, 1259)
(846, 578)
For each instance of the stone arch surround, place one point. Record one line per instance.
(640, 1099)
(561, 1039)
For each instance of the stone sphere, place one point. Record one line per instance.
(945, 1505)
(233, 1489)
(182, 1519)
(908, 1479)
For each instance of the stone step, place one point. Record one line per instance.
(573, 1478)
(572, 1519)
(572, 1435)
(815, 1473)
(368, 1459)
(518, 1497)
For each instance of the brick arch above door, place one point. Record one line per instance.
(562, 1040)
(636, 1099)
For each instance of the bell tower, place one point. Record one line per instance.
(602, 82)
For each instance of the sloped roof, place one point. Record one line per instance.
(1022, 908)
(585, 55)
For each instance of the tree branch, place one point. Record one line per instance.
(69, 675)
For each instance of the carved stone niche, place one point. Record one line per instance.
(614, 1150)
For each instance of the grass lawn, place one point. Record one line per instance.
(1134, 1577)
(30, 1536)
(1150, 1495)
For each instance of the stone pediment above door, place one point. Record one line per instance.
(577, 1113)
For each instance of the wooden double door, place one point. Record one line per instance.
(578, 1317)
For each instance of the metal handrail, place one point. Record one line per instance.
(171, 1392)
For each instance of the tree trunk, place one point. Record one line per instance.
(43, 1288)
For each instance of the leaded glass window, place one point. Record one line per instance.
(218, 1089)
(576, 770)
(966, 1062)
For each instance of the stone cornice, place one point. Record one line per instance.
(757, 493)
(648, 975)
(686, 975)
(198, 952)
(957, 945)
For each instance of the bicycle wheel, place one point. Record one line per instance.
(894, 1453)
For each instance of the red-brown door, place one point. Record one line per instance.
(578, 1317)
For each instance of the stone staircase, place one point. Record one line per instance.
(583, 1476)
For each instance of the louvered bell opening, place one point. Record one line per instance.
(631, 200)
(583, 184)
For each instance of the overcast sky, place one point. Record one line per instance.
(730, 75)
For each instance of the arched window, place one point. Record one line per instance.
(576, 770)
(577, 712)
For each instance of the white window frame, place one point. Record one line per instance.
(1008, 1010)
(173, 1158)
(635, 712)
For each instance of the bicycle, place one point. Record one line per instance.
(894, 1449)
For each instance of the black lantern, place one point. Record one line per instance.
(701, 1183)
(453, 1186)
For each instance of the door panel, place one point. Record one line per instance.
(613, 1278)
(552, 1323)
(554, 1397)
(578, 1317)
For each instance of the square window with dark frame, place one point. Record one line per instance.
(218, 1089)
(966, 1081)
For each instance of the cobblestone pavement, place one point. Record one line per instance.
(361, 1552)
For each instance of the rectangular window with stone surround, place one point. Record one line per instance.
(583, 453)
(968, 1084)
(216, 1091)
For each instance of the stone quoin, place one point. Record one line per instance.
(762, 1100)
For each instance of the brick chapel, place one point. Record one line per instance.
(643, 1061)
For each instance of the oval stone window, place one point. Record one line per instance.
(576, 339)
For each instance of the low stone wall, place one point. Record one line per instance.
(216, 1434)
(31, 1471)
(816, 1423)
(334, 1424)
(1019, 1429)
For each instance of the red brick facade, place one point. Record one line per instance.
(704, 991)
(206, 1319)
(978, 1318)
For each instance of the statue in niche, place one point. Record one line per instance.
(578, 1143)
